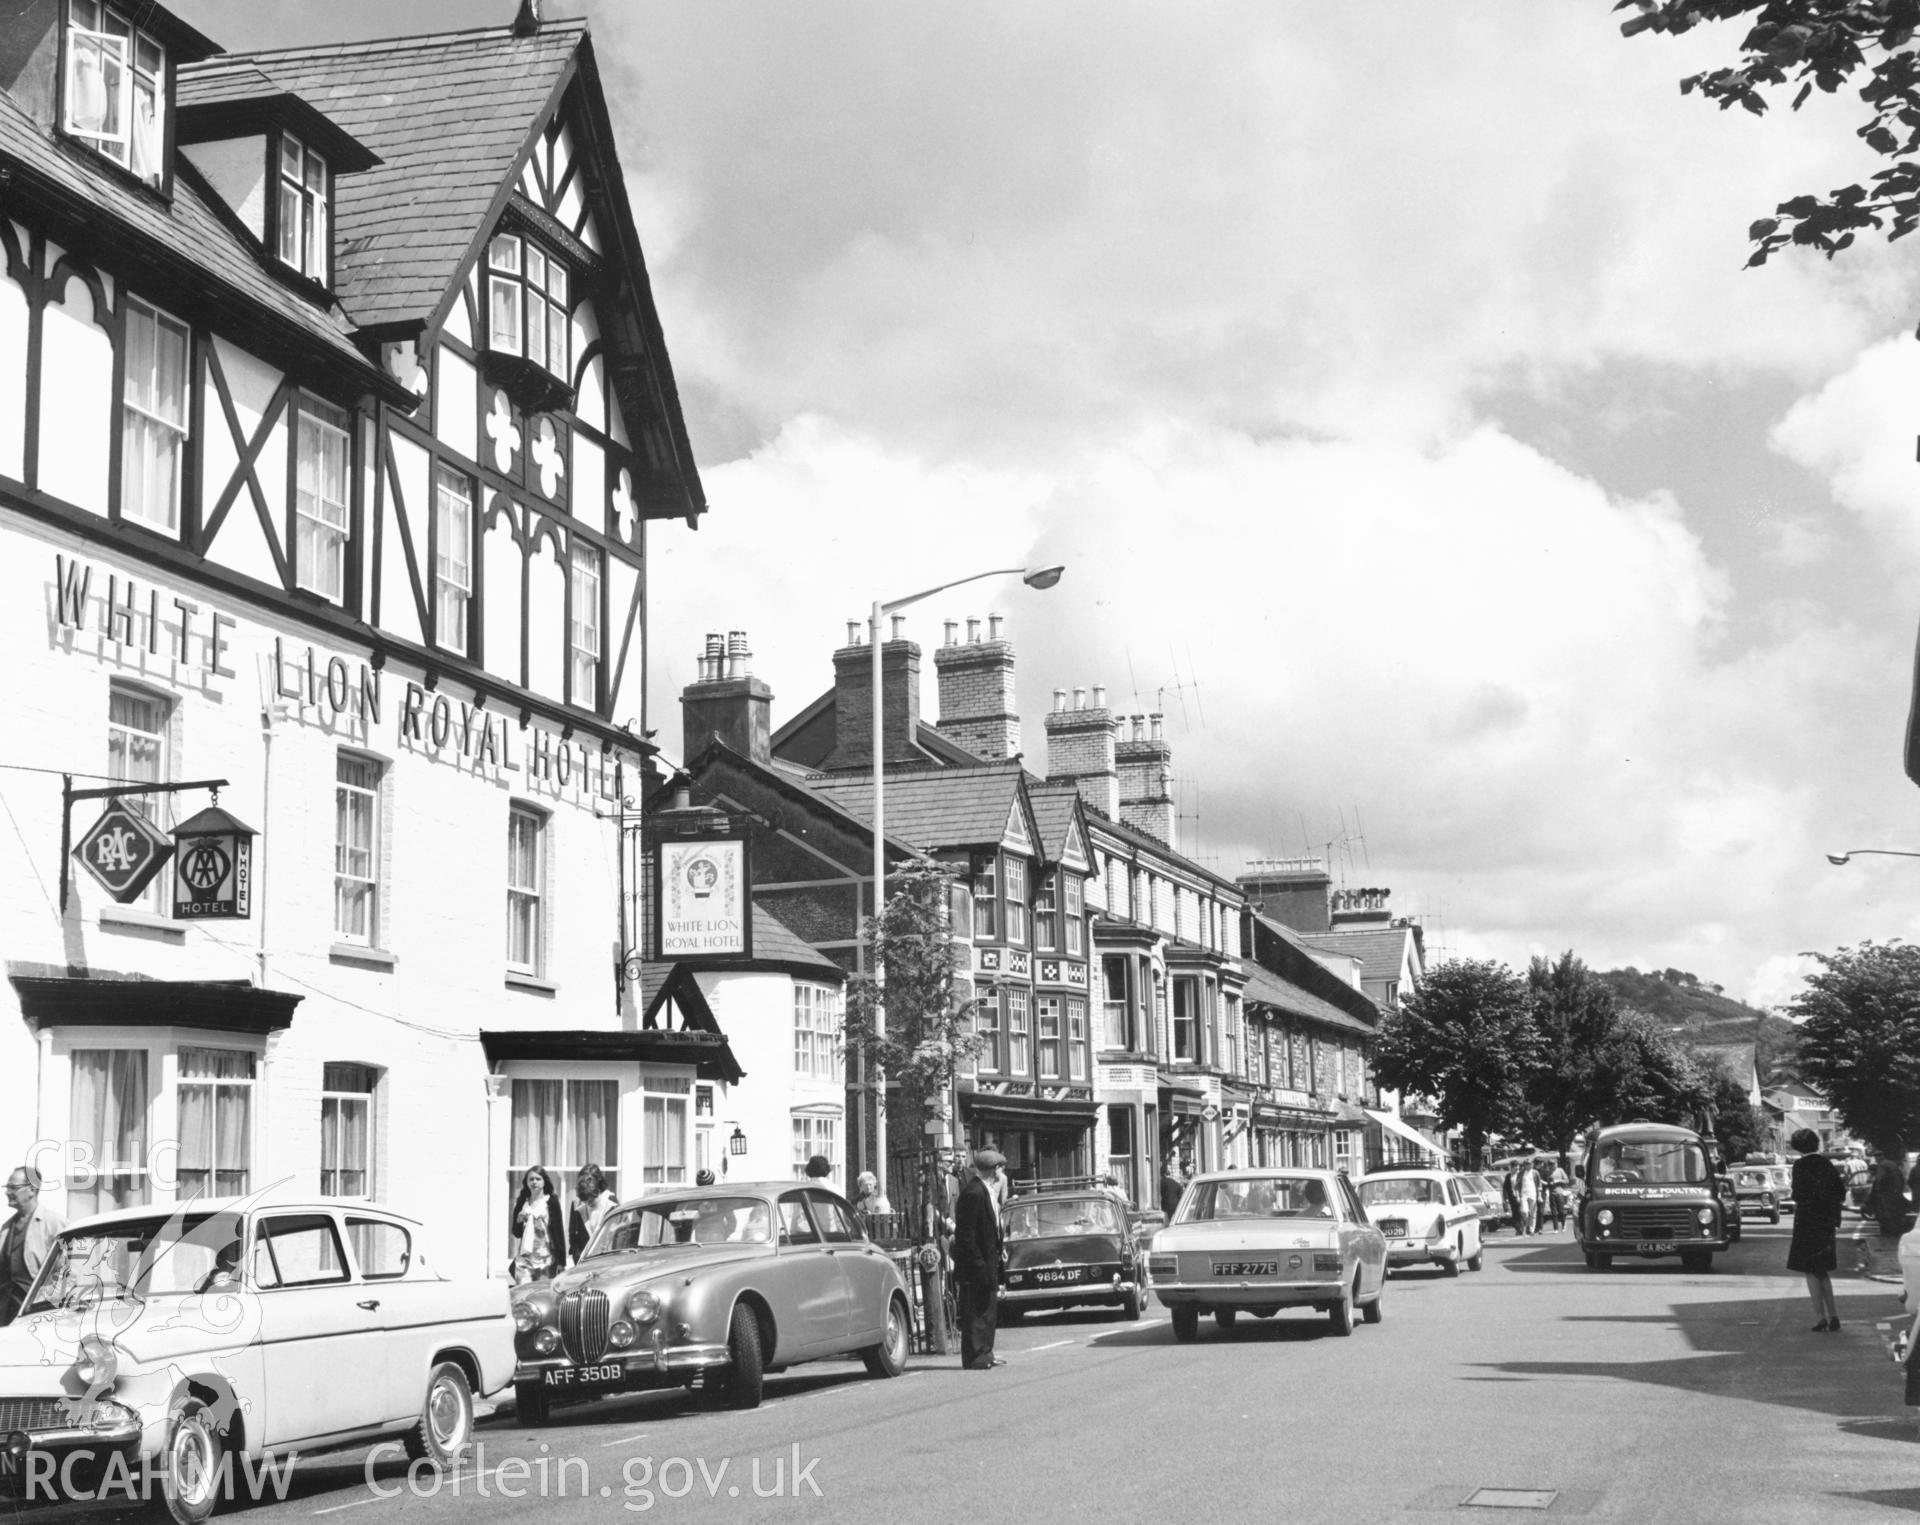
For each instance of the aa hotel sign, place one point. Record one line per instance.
(702, 896)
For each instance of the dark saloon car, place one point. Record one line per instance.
(1070, 1249)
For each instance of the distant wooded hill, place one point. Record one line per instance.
(1705, 1016)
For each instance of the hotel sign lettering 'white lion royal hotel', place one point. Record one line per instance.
(338, 422)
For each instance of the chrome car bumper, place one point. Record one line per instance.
(1420, 1254)
(112, 1428)
(1071, 1292)
(1248, 1294)
(642, 1362)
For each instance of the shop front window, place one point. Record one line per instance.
(215, 1098)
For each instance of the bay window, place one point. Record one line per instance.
(1019, 1032)
(986, 1026)
(108, 1120)
(1016, 900)
(562, 1125)
(663, 1161)
(527, 308)
(1117, 1006)
(1048, 1015)
(1074, 913)
(215, 1098)
(816, 1030)
(1046, 918)
(1077, 1063)
(1186, 1019)
(986, 898)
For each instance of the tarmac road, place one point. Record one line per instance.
(1644, 1394)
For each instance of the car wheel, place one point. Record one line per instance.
(1451, 1265)
(1130, 1308)
(530, 1403)
(1186, 1324)
(1476, 1260)
(1696, 1260)
(889, 1357)
(1376, 1310)
(1774, 1216)
(746, 1376)
(190, 1489)
(445, 1425)
(1340, 1315)
(1224, 1317)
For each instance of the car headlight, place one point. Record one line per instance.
(643, 1307)
(547, 1341)
(621, 1335)
(98, 1362)
(1604, 1216)
(1705, 1215)
(525, 1319)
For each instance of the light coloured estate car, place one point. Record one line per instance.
(1426, 1218)
(162, 1343)
(712, 1287)
(1257, 1241)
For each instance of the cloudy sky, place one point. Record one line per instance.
(1388, 380)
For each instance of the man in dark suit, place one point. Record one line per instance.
(976, 1262)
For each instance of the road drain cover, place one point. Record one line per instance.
(1509, 1498)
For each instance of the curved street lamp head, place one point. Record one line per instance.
(1839, 859)
(1043, 577)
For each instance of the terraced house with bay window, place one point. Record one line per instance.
(344, 422)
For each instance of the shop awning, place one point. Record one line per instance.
(1406, 1130)
(222, 1006)
(1033, 1112)
(1267, 1115)
(709, 1053)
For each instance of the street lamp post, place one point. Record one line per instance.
(1033, 577)
(1839, 859)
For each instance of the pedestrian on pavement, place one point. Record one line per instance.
(866, 1192)
(1510, 1196)
(1913, 1180)
(591, 1203)
(1559, 1194)
(1886, 1201)
(24, 1239)
(539, 1232)
(1818, 1194)
(820, 1169)
(1526, 1187)
(1172, 1188)
(976, 1263)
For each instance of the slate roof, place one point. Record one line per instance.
(449, 115)
(933, 807)
(187, 227)
(1099, 823)
(1381, 950)
(1269, 989)
(1053, 814)
(774, 942)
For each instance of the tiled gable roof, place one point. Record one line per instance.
(449, 115)
(934, 807)
(1268, 989)
(186, 228)
(775, 942)
(1053, 812)
(1382, 951)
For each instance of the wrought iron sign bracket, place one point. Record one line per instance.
(69, 794)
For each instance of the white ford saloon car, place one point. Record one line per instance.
(1426, 1218)
(158, 1345)
(1257, 1241)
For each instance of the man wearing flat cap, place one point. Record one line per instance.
(976, 1262)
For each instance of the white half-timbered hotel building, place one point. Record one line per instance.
(334, 415)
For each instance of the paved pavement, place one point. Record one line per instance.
(1645, 1394)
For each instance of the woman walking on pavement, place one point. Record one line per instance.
(1817, 1197)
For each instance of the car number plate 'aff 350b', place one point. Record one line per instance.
(585, 1376)
(1246, 1268)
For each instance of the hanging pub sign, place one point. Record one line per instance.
(213, 868)
(701, 898)
(123, 850)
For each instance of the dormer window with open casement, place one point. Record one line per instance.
(529, 327)
(115, 89)
(303, 210)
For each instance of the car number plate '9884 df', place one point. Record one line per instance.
(585, 1376)
(1246, 1268)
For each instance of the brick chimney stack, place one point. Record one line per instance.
(976, 691)
(1145, 765)
(1366, 907)
(726, 701)
(1081, 745)
(1296, 892)
(853, 703)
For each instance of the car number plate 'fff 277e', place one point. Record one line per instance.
(1246, 1268)
(585, 1376)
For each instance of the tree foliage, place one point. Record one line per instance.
(1860, 1039)
(1737, 1122)
(927, 1032)
(1823, 45)
(1467, 1039)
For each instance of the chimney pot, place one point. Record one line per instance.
(973, 630)
(736, 653)
(853, 632)
(1059, 700)
(994, 622)
(1099, 696)
(1079, 697)
(952, 633)
(1139, 728)
(899, 627)
(1154, 721)
(527, 22)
